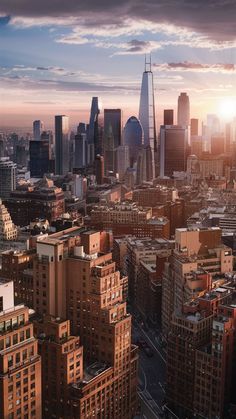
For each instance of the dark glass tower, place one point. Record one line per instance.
(62, 144)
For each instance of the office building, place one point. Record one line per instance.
(80, 154)
(147, 116)
(168, 117)
(217, 144)
(43, 200)
(74, 280)
(20, 364)
(94, 137)
(122, 160)
(7, 177)
(173, 149)
(38, 128)
(109, 152)
(126, 218)
(133, 138)
(62, 364)
(8, 230)
(194, 127)
(196, 146)
(17, 267)
(198, 256)
(183, 110)
(62, 144)
(112, 126)
(40, 155)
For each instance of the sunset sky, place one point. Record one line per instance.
(55, 55)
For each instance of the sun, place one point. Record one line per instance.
(227, 108)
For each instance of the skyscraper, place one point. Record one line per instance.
(7, 177)
(113, 122)
(109, 152)
(168, 117)
(39, 157)
(173, 149)
(147, 114)
(94, 142)
(183, 110)
(37, 129)
(20, 364)
(122, 160)
(133, 138)
(62, 144)
(80, 151)
(194, 126)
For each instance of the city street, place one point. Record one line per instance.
(151, 373)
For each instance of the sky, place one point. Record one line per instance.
(55, 55)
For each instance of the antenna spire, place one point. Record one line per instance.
(148, 64)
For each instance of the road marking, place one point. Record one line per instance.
(141, 395)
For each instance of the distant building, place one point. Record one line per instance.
(168, 117)
(183, 110)
(40, 154)
(94, 138)
(122, 160)
(44, 200)
(173, 149)
(126, 218)
(147, 117)
(38, 128)
(113, 125)
(62, 144)
(217, 144)
(80, 154)
(7, 177)
(133, 138)
(194, 127)
(8, 230)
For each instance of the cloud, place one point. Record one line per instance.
(214, 19)
(196, 67)
(28, 83)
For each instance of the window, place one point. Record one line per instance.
(8, 342)
(10, 361)
(27, 333)
(15, 339)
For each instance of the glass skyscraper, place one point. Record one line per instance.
(147, 116)
(94, 141)
(133, 138)
(62, 144)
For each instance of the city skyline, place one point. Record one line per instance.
(54, 59)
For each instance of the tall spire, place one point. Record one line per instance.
(148, 64)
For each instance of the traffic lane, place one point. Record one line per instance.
(154, 379)
(152, 338)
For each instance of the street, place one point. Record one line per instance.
(151, 373)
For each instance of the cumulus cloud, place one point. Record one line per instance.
(196, 67)
(214, 19)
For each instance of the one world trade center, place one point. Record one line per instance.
(147, 119)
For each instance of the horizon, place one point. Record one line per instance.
(54, 59)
